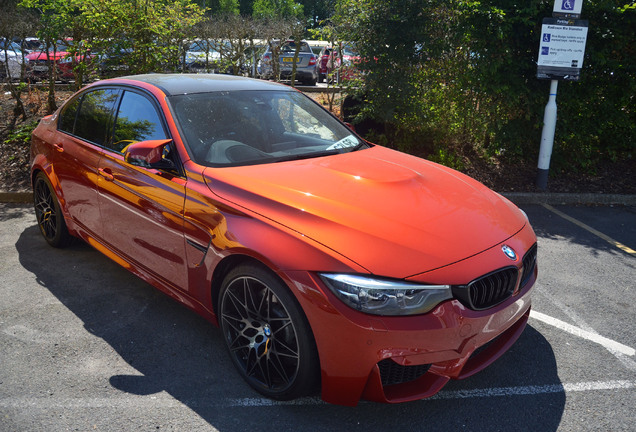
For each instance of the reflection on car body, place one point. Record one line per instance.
(328, 262)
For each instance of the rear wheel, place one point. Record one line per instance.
(267, 334)
(47, 211)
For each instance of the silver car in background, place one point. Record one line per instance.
(10, 60)
(306, 62)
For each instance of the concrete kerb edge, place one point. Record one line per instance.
(570, 198)
(16, 197)
(518, 198)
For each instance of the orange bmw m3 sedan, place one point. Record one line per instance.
(329, 263)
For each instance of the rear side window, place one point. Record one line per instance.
(67, 119)
(95, 115)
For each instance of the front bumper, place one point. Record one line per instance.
(358, 352)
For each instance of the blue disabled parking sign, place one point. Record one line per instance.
(568, 7)
(561, 49)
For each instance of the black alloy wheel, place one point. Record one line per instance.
(267, 335)
(48, 214)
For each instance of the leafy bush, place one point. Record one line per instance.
(441, 74)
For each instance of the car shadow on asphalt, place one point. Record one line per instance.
(175, 351)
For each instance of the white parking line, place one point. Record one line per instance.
(165, 400)
(625, 359)
(593, 337)
(536, 390)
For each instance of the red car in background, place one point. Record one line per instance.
(331, 61)
(328, 262)
(40, 61)
(323, 60)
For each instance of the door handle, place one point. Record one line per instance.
(105, 172)
(59, 147)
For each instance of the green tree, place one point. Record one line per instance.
(53, 24)
(395, 40)
(277, 9)
(443, 75)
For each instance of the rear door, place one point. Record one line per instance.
(142, 208)
(82, 131)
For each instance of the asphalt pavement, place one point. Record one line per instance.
(88, 346)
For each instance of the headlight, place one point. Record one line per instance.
(386, 297)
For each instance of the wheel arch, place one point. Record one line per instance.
(48, 171)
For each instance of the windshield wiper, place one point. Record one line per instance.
(301, 156)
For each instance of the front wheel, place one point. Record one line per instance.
(49, 216)
(267, 334)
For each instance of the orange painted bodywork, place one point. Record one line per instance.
(374, 211)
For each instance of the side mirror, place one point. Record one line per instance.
(350, 126)
(148, 154)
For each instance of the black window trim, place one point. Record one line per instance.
(122, 88)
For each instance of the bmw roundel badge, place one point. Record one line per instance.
(510, 253)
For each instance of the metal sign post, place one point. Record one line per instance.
(547, 137)
(561, 52)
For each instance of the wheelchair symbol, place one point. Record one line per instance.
(546, 37)
(567, 5)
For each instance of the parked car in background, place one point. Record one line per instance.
(328, 262)
(114, 60)
(202, 56)
(29, 44)
(342, 62)
(40, 61)
(323, 60)
(306, 63)
(10, 60)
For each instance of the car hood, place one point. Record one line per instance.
(393, 214)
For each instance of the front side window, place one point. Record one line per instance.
(95, 115)
(137, 120)
(253, 127)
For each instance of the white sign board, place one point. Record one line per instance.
(568, 7)
(562, 48)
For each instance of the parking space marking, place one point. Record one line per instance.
(165, 400)
(588, 228)
(591, 336)
(626, 360)
(470, 394)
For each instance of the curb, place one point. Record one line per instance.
(570, 198)
(516, 197)
(16, 197)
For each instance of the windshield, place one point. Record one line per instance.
(254, 127)
(9, 46)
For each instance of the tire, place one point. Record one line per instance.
(311, 81)
(48, 214)
(267, 335)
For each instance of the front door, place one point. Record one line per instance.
(142, 208)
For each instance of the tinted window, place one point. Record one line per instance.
(137, 120)
(67, 119)
(94, 117)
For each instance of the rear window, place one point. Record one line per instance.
(291, 47)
